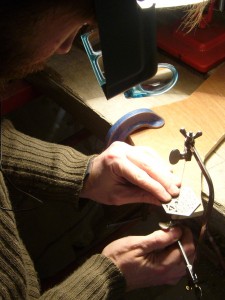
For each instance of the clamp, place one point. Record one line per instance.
(175, 156)
(189, 150)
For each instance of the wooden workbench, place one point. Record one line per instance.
(203, 111)
(69, 80)
(196, 103)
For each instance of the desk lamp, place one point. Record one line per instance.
(127, 30)
(202, 48)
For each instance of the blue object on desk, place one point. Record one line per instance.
(156, 85)
(164, 79)
(132, 121)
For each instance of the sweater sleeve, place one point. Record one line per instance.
(98, 278)
(45, 169)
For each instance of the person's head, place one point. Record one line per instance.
(32, 31)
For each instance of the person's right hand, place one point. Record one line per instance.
(152, 260)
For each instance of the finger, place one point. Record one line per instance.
(132, 194)
(187, 236)
(173, 254)
(160, 239)
(158, 170)
(151, 155)
(175, 280)
(139, 177)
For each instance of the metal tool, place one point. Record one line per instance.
(189, 151)
(175, 156)
(122, 129)
(189, 266)
(192, 275)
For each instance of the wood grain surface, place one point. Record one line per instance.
(203, 110)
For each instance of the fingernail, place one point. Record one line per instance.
(167, 197)
(175, 191)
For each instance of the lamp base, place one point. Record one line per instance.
(202, 49)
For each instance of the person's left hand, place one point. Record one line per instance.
(154, 259)
(125, 174)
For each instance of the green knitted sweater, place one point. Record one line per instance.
(54, 170)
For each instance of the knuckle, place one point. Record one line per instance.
(139, 178)
(190, 249)
(114, 198)
(157, 239)
(111, 158)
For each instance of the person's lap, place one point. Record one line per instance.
(57, 234)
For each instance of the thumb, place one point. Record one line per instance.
(161, 239)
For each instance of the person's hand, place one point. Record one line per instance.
(152, 260)
(129, 174)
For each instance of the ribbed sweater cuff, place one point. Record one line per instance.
(98, 278)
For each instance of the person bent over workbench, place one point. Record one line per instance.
(30, 33)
